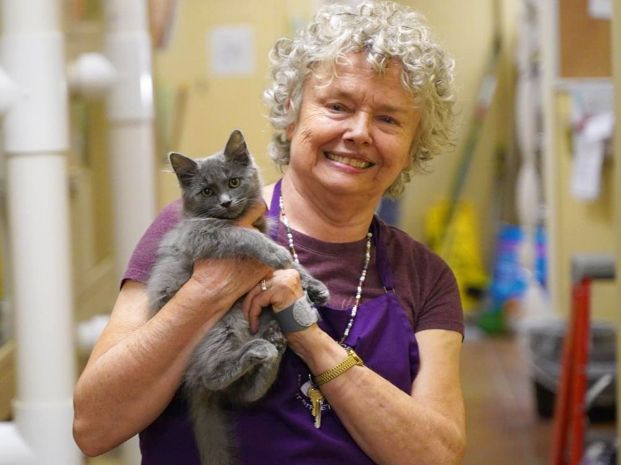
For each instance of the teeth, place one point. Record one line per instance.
(348, 161)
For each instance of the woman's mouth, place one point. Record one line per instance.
(354, 162)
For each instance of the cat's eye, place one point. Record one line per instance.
(234, 182)
(207, 192)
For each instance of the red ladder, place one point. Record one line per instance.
(570, 410)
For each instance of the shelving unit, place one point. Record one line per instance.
(579, 50)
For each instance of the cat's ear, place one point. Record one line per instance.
(236, 149)
(185, 168)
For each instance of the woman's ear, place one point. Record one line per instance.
(290, 130)
(291, 127)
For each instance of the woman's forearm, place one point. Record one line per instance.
(391, 426)
(137, 366)
(138, 362)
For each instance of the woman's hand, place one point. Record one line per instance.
(282, 289)
(253, 215)
(233, 278)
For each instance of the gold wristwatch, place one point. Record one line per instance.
(351, 361)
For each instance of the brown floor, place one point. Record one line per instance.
(503, 427)
(502, 424)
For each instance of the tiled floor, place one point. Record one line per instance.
(503, 427)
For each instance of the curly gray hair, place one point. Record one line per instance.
(383, 30)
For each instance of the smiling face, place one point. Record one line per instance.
(355, 129)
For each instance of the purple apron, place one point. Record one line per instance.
(279, 428)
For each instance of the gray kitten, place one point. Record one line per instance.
(230, 366)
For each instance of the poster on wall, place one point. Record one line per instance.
(232, 50)
(600, 9)
(592, 123)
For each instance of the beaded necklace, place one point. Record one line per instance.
(363, 275)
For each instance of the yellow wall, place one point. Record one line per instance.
(215, 105)
(470, 41)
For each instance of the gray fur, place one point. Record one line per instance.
(230, 365)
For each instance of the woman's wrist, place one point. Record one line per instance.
(201, 301)
(316, 348)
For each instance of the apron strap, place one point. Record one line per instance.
(274, 211)
(383, 265)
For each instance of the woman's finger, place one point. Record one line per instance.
(232, 278)
(252, 293)
(282, 289)
(257, 305)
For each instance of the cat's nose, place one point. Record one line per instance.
(226, 204)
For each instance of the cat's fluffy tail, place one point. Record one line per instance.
(212, 429)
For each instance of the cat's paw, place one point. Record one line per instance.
(317, 291)
(259, 351)
(257, 382)
(278, 258)
(274, 334)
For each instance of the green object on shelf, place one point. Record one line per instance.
(492, 321)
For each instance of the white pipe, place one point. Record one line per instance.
(20, 17)
(533, 303)
(42, 299)
(35, 139)
(131, 139)
(14, 450)
(549, 66)
(130, 115)
(132, 169)
(91, 75)
(9, 92)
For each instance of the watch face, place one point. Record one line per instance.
(304, 315)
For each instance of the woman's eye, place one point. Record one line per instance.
(388, 119)
(207, 192)
(336, 107)
(234, 182)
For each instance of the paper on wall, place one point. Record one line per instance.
(589, 145)
(600, 9)
(593, 123)
(232, 50)
(587, 168)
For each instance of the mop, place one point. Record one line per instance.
(534, 306)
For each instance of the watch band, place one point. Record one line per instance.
(297, 316)
(350, 361)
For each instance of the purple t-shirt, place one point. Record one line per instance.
(424, 284)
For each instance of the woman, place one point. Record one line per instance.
(358, 100)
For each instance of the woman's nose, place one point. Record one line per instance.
(359, 129)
